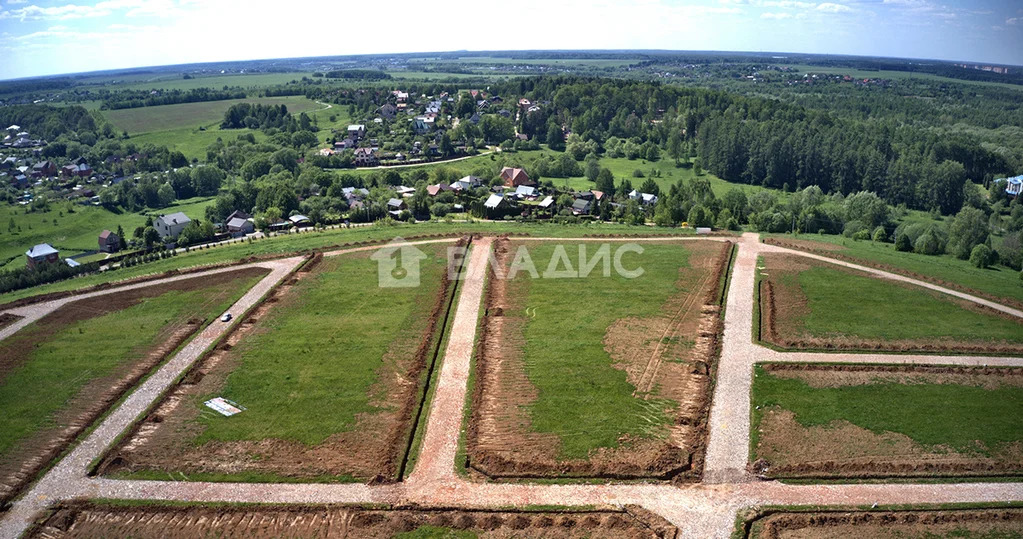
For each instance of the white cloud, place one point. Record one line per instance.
(776, 16)
(1012, 21)
(829, 7)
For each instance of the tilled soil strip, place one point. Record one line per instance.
(83, 519)
(993, 522)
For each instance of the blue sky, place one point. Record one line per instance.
(40, 37)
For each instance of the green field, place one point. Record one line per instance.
(582, 398)
(177, 82)
(75, 232)
(61, 365)
(895, 75)
(280, 245)
(998, 281)
(922, 411)
(204, 113)
(311, 375)
(841, 303)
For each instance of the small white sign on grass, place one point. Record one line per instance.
(224, 406)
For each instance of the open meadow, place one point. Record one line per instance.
(863, 422)
(598, 376)
(207, 114)
(814, 305)
(328, 371)
(61, 372)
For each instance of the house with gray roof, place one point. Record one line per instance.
(169, 226)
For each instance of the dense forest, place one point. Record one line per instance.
(128, 99)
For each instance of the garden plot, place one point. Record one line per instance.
(327, 373)
(812, 305)
(903, 524)
(60, 373)
(99, 520)
(597, 376)
(876, 421)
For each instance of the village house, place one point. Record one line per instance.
(434, 190)
(109, 242)
(44, 169)
(364, 157)
(514, 177)
(356, 131)
(466, 183)
(41, 255)
(388, 111)
(581, 206)
(395, 206)
(644, 198)
(169, 226)
(239, 226)
(525, 192)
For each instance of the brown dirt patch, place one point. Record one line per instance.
(671, 356)
(783, 307)
(852, 375)
(31, 455)
(372, 450)
(7, 319)
(829, 250)
(94, 520)
(1000, 522)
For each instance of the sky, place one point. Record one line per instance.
(39, 37)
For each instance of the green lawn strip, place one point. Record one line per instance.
(91, 349)
(958, 416)
(844, 303)
(436, 532)
(311, 374)
(582, 398)
(292, 243)
(998, 281)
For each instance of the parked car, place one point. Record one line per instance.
(226, 317)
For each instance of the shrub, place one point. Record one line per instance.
(982, 256)
(903, 243)
(880, 235)
(861, 235)
(928, 244)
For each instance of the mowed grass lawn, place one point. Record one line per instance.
(308, 374)
(582, 398)
(843, 303)
(931, 414)
(90, 349)
(182, 115)
(999, 281)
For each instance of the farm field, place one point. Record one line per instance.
(598, 376)
(328, 370)
(847, 421)
(61, 372)
(998, 283)
(809, 304)
(177, 82)
(978, 523)
(204, 113)
(87, 519)
(191, 142)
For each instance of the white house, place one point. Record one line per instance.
(169, 226)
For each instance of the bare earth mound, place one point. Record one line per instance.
(91, 402)
(907, 524)
(371, 451)
(669, 357)
(841, 449)
(88, 520)
(784, 306)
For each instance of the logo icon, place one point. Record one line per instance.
(398, 264)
